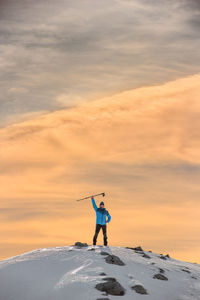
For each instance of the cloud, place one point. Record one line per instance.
(141, 144)
(50, 49)
(135, 120)
(34, 210)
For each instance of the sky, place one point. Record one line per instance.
(100, 96)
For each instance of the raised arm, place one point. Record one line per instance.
(94, 204)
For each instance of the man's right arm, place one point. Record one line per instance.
(94, 204)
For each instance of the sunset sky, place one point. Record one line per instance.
(100, 96)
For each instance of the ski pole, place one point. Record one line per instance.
(103, 194)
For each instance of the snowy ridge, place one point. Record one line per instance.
(73, 272)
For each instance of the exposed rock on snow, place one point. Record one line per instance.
(146, 255)
(140, 251)
(164, 256)
(137, 249)
(161, 270)
(80, 245)
(184, 270)
(160, 276)
(104, 253)
(113, 259)
(111, 286)
(139, 289)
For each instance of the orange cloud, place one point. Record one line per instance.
(141, 147)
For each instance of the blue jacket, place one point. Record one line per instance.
(101, 214)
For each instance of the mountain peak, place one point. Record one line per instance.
(91, 272)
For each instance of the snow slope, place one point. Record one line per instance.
(66, 273)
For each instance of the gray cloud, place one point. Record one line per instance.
(83, 50)
(191, 4)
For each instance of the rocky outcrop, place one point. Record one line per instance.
(146, 255)
(111, 286)
(80, 245)
(113, 259)
(140, 251)
(160, 276)
(137, 249)
(139, 289)
(104, 253)
(161, 270)
(165, 257)
(184, 270)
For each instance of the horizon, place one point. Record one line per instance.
(100, 245)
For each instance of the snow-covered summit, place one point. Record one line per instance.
(90, 273)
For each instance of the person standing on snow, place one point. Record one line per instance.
(101, 214)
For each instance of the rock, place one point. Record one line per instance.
(113, 259)
(193, 277)
(111, 286)
(104, 253)
(103, 299)
(139, 289)
(102, 274)
(184, 270)
(140, 251)
(92, 249)
(162, 257)
(160, 277)
(136, 248)
(161, 270)
(145, 255)
(110, 279)
(80, 245)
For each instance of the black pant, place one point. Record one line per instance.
(98, 227)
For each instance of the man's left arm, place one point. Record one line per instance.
(109, 217)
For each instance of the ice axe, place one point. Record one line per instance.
(103, 194)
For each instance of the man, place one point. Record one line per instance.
(102, 217)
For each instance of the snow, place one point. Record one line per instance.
(66, 273)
